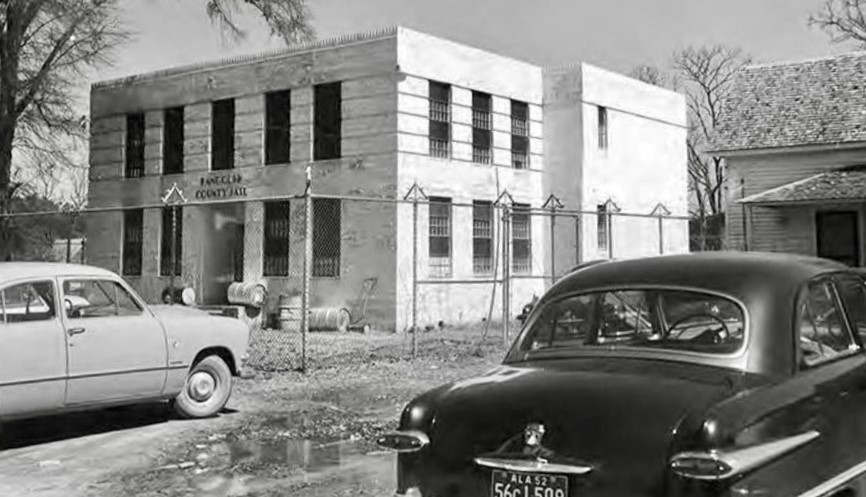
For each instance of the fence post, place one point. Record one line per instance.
(173, 198)
(552, 203)
(68, 248)
(506, 271)
(416, 194)
(661, 211)
(308, 262)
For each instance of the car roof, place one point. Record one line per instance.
(19, 270)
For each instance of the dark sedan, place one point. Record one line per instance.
(735, 374)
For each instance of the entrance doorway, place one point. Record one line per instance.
(223, 255)
(838, 236)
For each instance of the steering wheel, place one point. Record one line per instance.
(720, 334)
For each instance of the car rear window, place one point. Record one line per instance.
(654, 318)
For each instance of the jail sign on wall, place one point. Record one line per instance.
(221, 186)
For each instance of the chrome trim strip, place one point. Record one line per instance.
(744, 459)
(836, 481)
(416, 434)
(532, 466)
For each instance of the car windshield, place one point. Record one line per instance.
(655, 318)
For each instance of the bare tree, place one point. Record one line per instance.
(707, 74)
(287, 19)
(842, 20)
(648, 74)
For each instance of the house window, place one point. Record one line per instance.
(165, 268)
(134, 145)
(440, 120)
(276, 249)
(519, 134)
(328, 121)
(482, 237)
(603, 219)
(326, 237)
(521, 240)
(223, 135)
(482, 142)
(440, 237)
(602, 128)
(278, 107)
(172, 138)
(133, 234)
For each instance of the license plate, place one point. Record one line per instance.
(510, 484)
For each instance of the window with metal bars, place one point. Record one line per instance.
(223, 135)
(172, 141)
(328, 119)
(440, 119)
(603, 220)
(519, 134)
(165, 268)
(276, 239)
(602, 128)
(482, 140)
(327, 237)
(278, 106)
(133, 236)
(439, 235)
(521, 239)
(134, 145)
(482, 237)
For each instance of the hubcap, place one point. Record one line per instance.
(201, 386)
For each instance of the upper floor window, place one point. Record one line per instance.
(482, 140)
(602, 128)
(328, 121)
(172, 141)
(440, 237)
(519, 134)
(134, 145)
(440, 119)
(133, 237)
(278, 110)
(223, 135)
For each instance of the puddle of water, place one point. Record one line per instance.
(305, 454)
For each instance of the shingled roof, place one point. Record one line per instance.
(814, 102)
(843, 184)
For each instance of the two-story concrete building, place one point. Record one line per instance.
(793, 136)
(374, 114)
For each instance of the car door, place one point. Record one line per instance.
(32, 349)
(117, 348)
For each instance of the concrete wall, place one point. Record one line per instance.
(774, 229)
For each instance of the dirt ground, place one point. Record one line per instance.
(282, 433)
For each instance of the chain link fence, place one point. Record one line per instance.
(311, 273)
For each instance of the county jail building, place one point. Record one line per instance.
(374, 114)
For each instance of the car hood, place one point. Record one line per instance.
(175, 312)
(618, 415)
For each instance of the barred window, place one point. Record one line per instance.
(603, 219)
(133, 235)
(328, 121)
(440, 237)
(278, 106)
(276, 239)
(327, 237)
(440, 119)
(134, 145)
(519, 134)
(521, 240)
(173, 137)
(223, 135)
(165, 268)
(482, 140)
(602, 128)
(482, 237)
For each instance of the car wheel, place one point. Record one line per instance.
(207, 388)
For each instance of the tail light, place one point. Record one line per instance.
(720, 464)
(404, 441)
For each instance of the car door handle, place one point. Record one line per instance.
(76, 331)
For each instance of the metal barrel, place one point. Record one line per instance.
(247, 293)
(329, 319)
(290, 312)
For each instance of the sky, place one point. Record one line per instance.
(614, 34)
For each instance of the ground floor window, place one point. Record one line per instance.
(482, 237)
(327, 237)
(276, 239)
(133, 235)
(440, 237)
(521, 240)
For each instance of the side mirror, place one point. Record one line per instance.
(525, 312)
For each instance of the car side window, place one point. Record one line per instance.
(852, 290)
(823, 334)
(32, 301)
(97, 298)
